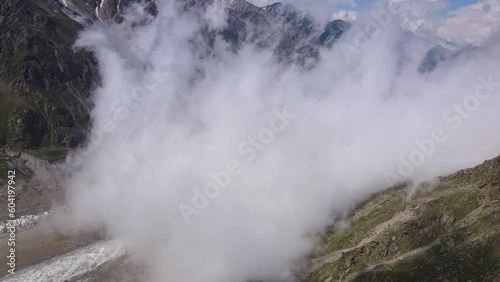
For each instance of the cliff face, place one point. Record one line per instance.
(447, 232)
(44, 83)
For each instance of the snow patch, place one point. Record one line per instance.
(23, 222)
(71, 265)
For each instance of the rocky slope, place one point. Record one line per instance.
(449, 231)
(44, 83)
(37, 183)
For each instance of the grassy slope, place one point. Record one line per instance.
(450, 233)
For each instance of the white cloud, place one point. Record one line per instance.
(417, 16)
(466, 25)
(348, 16)
(321, 9)
(471, 24)
(418, 9)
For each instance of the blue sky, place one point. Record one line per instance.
(455, 4)
(361, 4)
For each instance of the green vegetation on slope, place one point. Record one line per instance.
(48, 82)
(447, 234)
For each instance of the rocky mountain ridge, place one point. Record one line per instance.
(293, 34)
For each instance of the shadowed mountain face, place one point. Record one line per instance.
(44, 83)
